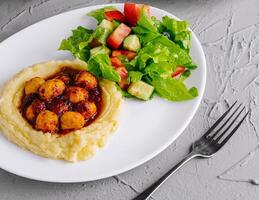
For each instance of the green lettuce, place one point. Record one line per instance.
(181, 56)
(175, 26)
(190, 66)
(148, 31)
(161, 69)
(159, 76)
(173, 89)
(147, 23)
(100, 66)
(99, 13)
(154, 52)
(165, 45)
(178, 32)
(134, 76)
(77, 43)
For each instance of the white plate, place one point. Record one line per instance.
(146, 128)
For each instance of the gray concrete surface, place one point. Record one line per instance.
(228, 30)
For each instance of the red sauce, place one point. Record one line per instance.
(59, 105)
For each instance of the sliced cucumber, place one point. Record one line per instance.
(141, 90)
(103, 31)
(107, 25)
(132, 43)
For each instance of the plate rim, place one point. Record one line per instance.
(149, 156)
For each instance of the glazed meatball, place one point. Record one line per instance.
(29, 113)
(72, 120)
(58, 106)
(47, 121)
(51, 88)
(86, 79)
(33, 85)
(38, 106)
(63, 77)
(87, 109)
(76, 94)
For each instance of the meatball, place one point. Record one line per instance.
(29, 113)
(63, 77)
(33, 85)
(51, 88)
(76, 94)
(58, 106)
(86, 79)
(72, 120)
(38, 106)
(87, 109)
(47, 121)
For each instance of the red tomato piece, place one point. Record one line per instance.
(138, 10)
(116, 62)
(130, 14)
(114, 15)
(118, 35)
(133, 12)
(129, 54)
(179, 70)
(124, 84)
(123, 72)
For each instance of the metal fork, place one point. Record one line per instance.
(206, 146)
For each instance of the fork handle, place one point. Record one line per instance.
(147, 193)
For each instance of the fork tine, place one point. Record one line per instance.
(230, 125)
(223, 125)
(219, 120)
(233, 131)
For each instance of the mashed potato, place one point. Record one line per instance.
(76, 145)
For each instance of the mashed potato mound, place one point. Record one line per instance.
(74, 146)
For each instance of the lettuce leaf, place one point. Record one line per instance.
(190, 66)
(147, 23)
(100, 66)
(173, 89)
(175, 26)
(158, 74)
(161, 69)
(134, 76)
(147, 30)
(79, 36)
(99, 13)
(178, 32)
(181, 56)
(154, 52)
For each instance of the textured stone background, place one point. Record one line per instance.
(228, 31)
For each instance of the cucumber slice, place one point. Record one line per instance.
(107, 25)
(141, 90)
(102, 31)
(132, 43)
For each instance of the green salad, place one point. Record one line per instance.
(143, 55)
